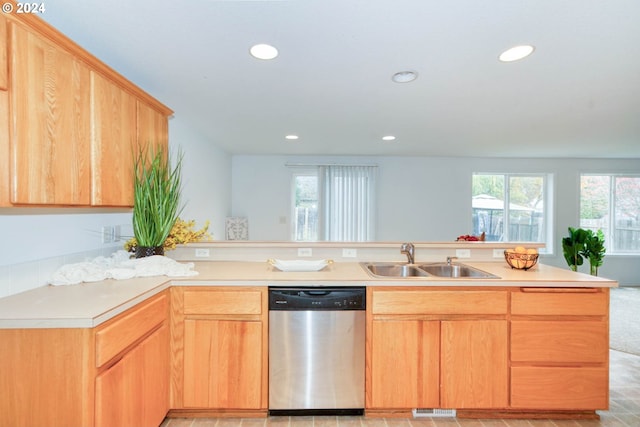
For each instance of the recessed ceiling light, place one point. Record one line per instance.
(404, 76)
(389, 138)
(263, 51)
(291, 137)
(516, 53)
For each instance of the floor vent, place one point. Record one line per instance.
(418, 413)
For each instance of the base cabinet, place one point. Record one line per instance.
(473, 362)
(114, 375)
(427, 356)
(202, 350)
(220, 350)
(404, 371)
(135, 391)
(488, 351)
(222, 364)
(560, 349)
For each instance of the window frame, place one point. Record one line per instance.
(308, 171)
(610, 237)
(548, 223)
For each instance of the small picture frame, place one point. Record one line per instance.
(237, 228)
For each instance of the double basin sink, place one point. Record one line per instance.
(435, 269)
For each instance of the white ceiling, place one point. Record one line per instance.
(578, 95)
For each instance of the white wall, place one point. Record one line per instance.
(421, 198)
(206, 179)
(34, 242)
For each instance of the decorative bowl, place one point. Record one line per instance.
(299, 265)
(521, 261)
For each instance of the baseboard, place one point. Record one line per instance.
(217, 413)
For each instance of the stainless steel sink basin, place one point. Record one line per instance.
(436, 269)
(441, 269)
(394, 270)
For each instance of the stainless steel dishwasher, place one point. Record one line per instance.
(316, 350)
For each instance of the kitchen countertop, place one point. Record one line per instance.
(89, 304)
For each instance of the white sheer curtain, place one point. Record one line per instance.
(347, 202)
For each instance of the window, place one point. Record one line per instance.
(305, 206)
(612, 203)
(511, 207)
(334, 203)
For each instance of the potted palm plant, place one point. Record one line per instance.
(156, 199)
(584, 244)
(594, 250)
(573, 247)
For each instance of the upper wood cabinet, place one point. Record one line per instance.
(50, 132)
(5, 176)
(72, 123)
(153, 128)
(114, 135)
(4, 67)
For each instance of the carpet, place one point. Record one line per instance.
(624, 321)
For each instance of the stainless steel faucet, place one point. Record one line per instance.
(409, 250)
(451, 258)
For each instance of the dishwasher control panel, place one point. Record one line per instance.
(317, 298)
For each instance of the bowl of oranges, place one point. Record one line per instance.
(521, 257)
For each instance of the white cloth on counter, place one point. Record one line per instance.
(119, 266)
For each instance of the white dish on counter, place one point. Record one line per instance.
(299, 264)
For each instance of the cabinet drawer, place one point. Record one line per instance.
(127, 328)
(577, 302)
(439, 302)
(559, 388)
(223, 302)
(559, 341)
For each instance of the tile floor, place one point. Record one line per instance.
(624, 410)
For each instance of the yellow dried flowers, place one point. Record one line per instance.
(182, 232)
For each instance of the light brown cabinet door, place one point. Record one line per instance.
(5, 175)
(404, 364)
(222, 364)
(50, 108)
(474, 370)
(135, 391)
(4, 79)
(572, 342)
(113, 128)
(153, 127)
(568, 388)
(155, 383)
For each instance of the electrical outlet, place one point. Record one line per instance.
(305, 252)
(108, 234)
(349, 253)
(202, 253)
(463, 253)
(498, 253)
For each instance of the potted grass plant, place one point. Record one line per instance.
(156, 199)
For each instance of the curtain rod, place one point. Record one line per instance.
(298, 165)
